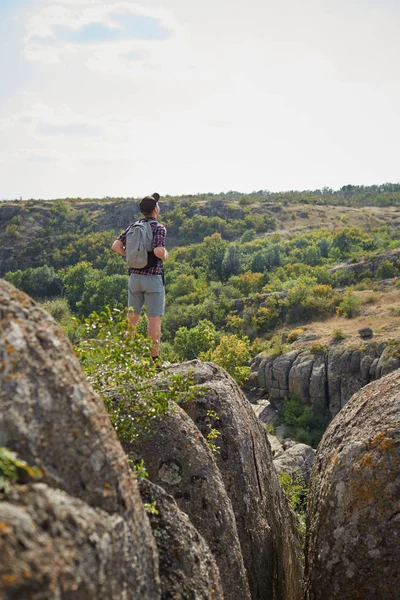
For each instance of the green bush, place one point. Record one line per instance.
(303, 423)
(338, 334)
(294, 335)
(119, 368)
(386, 270)
(349, 307)
(232, 353)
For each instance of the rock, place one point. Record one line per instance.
(187, 567)
(297, 458)
(352, 547)
(55, 546)
(265, 412)
(308, 337)
(276, 446)
(318, 384)
(365, 332)
(178, 459)
(280, 371)
(388, 362)
(324, 382)
(269, 544)
(52, 418)
(300, 374)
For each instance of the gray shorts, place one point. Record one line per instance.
(149, 290)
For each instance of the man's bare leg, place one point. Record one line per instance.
(133, 320)
(154, 332)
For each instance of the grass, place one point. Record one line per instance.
(382, 316)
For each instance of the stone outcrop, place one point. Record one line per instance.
(368, 263)
(326, 380)
(52, 418)
(55, 546)
(178, 459)
(270, 547)
(297, 458)
(187, 567)
(353, 540)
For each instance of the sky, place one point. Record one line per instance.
(122, 98)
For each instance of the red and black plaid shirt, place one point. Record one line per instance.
(159, 235)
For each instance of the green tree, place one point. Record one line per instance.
(232, 353)
(75, 278)
(231, 262)
(189, 343)
(101, 292)
(39, 282)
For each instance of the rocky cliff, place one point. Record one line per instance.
(51, 417)
(353, 538)
(326, 378)
(223, 530)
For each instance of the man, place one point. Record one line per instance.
(146, 286)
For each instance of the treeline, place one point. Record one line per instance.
(386, 194)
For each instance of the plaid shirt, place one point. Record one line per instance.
(159, 235)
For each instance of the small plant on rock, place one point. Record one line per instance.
(338, 335)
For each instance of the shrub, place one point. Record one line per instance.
(386, 270)
(303, 423)
(338, 334)
(317, 349)
(119, 368)
(232, 354)
(276, 347)
(349, 307)
(294, 335)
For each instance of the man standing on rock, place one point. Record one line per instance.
(146, 285)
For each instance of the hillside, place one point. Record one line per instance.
(244, 270)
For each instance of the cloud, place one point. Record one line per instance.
(72, 28)
(44, 121)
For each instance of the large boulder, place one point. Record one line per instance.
(269, 542)
(179, 460)
(52, 418)
(55, 546)
(298, 458)
(353, 539)
(187, 567)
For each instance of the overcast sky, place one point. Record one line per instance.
(108, 97)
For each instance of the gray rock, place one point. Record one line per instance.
(55, 546)
(178, 459)
(352, 547)
(276, 446)
(265, 412)
(268, 540)
(187, 567)
(326, 381)
(300, 374)
(365, 332)
(387, 362)
(52, 418)
(318, 381)
(297, 458)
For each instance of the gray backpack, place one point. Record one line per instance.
(139, 241)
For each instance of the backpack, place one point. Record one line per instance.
(139, 241)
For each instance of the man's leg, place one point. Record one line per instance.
(133, 319)
(135, 300)
(154, 332)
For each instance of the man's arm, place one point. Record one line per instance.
(159, 248)
(161, 252)
(118, 247)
